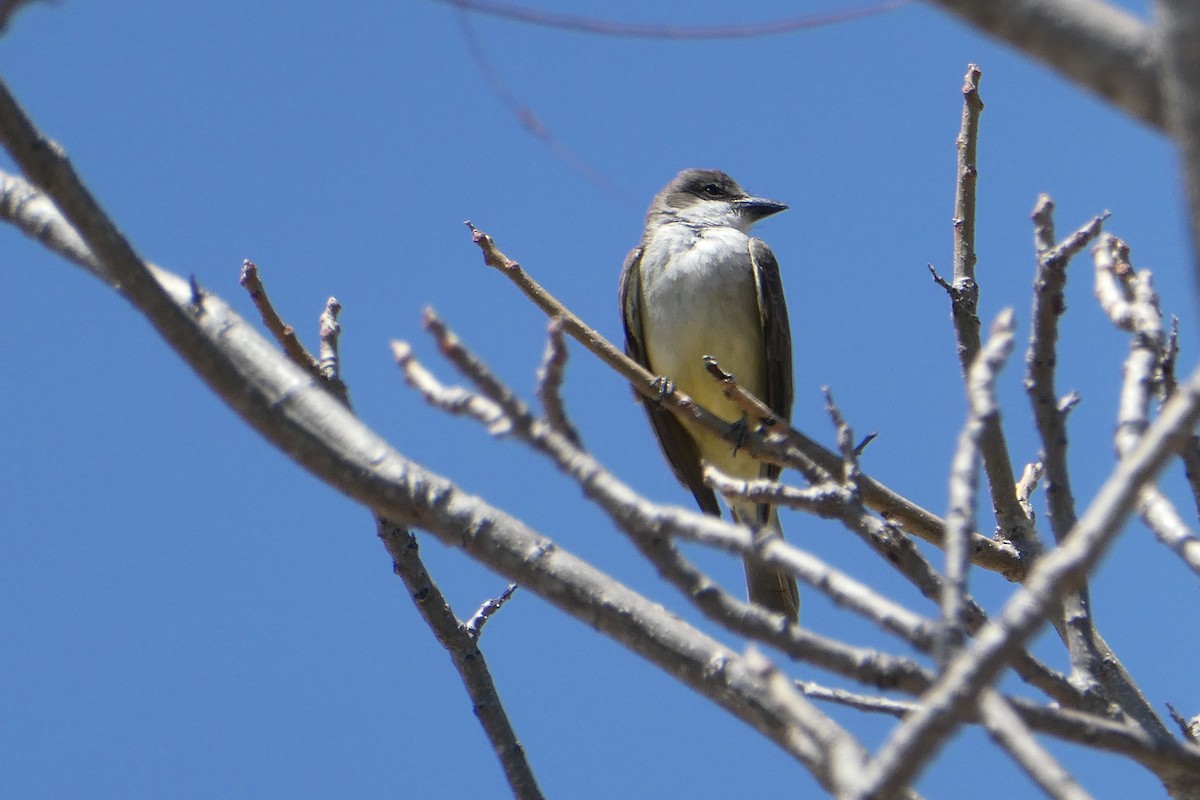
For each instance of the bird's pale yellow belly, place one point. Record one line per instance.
(700, 307)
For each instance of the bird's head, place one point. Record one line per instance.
(709, 197)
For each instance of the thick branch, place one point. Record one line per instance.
(1103, 49)
(1179, 29)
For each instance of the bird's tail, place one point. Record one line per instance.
(767, 586)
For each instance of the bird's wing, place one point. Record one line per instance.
(777, 334)
(676, 443)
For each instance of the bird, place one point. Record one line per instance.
(699, 285)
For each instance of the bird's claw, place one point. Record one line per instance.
(740, 431)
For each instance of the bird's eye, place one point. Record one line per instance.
(712, 190)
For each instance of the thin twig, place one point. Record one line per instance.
(1027, 485)
(487, 610)
(283, 333)
(330, 362)
(860, 702)
(1190, 454)
(1190, 728)
(550, 381)
(845, 440)
(523, 113)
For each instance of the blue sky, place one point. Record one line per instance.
(185, 613)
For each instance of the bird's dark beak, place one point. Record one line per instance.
(757, 208)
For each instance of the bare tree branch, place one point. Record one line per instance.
(461, 644)
(283, 333)
(550, 380)
(963, 291)
(1041, 360)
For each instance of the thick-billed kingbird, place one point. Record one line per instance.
(699, 285)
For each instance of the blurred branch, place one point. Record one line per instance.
(1179, 36)
(964, 476)
(1100, 47)
(1129, 299)
(629, 30)
(9, 9)
(1008, 730)
(523, 113)
(1074, 619)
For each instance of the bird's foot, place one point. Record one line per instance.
(740, 431)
